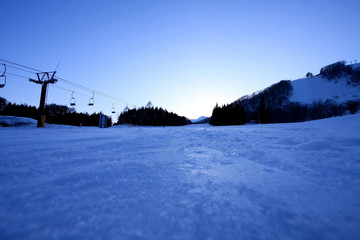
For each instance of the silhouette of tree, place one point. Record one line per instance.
(150, 116)
(233, 114)
(262, 117)
(3, 103)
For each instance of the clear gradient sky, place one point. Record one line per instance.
(184, 56)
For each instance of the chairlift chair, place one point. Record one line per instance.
(3, 77)
(113, 109)
(2, 81)
(72, 100)
(3, 74)
(91, 100)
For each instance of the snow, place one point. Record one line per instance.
(16, 121)
(309, 90)
(276, 181)
(313, 89)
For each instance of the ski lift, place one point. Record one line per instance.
(72, 100)
(2, 81)
(91, 100)
(3, 77)
(3, 74)
(113, 109)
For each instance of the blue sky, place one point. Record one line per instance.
(184, 56)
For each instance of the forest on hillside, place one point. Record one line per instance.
(151, 116)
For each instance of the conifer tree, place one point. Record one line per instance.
(262, 111)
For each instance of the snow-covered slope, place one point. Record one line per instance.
(281, 181)
(318, 88)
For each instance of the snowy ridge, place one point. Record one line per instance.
(274, 181)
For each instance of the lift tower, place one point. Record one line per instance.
(44, 78)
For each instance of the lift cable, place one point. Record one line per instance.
(66, 89)
(9, 62)
(33, 70)
(91, 90)
(21, 69)
(16, 75)
(81, 94)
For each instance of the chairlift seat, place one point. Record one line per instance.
(91, 100)
(2, 81)
(72, 100)
(3, 74)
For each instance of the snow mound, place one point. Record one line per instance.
(10, 121)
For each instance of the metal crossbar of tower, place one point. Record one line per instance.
(44, 78)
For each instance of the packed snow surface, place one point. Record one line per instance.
(283, 181)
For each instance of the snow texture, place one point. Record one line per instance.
(276, 181)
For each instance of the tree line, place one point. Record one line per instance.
(150, 116)
(55, 114)
(298, 112)
(235, 114)
(339, 69)
(228, 115)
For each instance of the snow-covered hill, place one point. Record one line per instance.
(319, 88)
(333, 92)
(273, 181)
(316, 88)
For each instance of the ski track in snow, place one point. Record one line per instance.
(283, 181)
